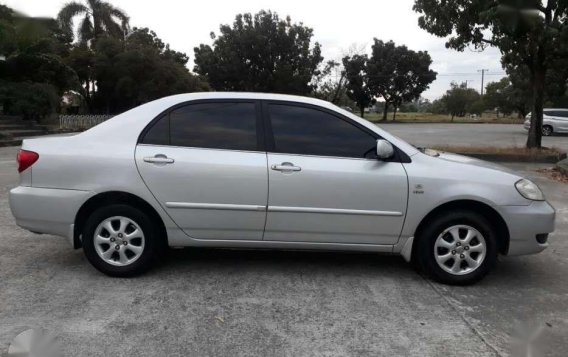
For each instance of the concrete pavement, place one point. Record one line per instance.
(469, 135)
(204, 302)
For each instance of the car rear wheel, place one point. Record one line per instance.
(120, 240)
(547, 130)
(457, 248)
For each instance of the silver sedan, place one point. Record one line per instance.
(271, 171)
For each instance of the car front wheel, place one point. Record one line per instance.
(547, 130)
(120, 240)
(457, 248)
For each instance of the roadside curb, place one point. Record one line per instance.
(545, 159)
(562, 166)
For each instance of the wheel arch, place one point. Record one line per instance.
(108, 198)
(484, 209)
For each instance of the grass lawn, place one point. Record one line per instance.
(441, 118)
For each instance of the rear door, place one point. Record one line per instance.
(326, 184)
(205, 163)
(561, 120)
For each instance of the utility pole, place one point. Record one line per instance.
(482, 79)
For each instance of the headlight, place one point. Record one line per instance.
(529, 190)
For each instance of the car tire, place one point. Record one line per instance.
(457, 248)
(121, 241)
(547, 130)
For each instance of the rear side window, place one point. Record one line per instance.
(230, 126)
(159, 133)
(561, 113)
(307, 131)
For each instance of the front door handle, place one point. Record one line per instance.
(159, 159)
(286, 167)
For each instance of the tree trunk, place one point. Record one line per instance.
(385, 111)
(362, 108)
(534, 139)
(453, 117)
(394, 113)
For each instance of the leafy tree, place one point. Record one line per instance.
(398, 74)
(460, 100)
(82, 60)
(97, 18)
(330, 83)
(260, 53)
(528, 33)
(439, 107)
(33, 74)
(498, 96)
(357, 81)
(131, 72)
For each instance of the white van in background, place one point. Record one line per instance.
(554, 121)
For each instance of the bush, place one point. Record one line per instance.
(33, 101)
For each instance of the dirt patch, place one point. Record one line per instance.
(554, 174)
(510, 150)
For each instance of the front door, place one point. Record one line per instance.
(204, 164)
(326, 184)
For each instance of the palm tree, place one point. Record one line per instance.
(98, 18)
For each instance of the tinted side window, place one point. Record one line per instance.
(159, 133)
(562, 114)
(207, 125)
(301, 130)
(548, 112)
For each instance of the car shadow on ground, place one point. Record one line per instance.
(235, 260)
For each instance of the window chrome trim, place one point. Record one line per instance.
(215, 206)
(200, 148)
(333, 211)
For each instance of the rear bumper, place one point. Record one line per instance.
(47, 210)
(525, 223)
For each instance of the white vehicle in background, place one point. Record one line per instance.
(554, 121)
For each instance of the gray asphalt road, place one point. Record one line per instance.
(469, 135)
(242, 303)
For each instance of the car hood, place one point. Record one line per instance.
(474, 162)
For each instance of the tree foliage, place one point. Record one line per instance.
(528, 33)
(97, 18)
(137, 70)
(330, 83)
(460, 100)
(358, 81)
(33, 74)
(398, 74)
(261, 53)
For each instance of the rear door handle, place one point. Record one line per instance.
(286, 167)
(159, 159)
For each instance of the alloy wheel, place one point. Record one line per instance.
(460, 249)
(119, 241)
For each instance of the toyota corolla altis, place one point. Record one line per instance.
(246, 170)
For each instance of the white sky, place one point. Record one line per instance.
(185, 24)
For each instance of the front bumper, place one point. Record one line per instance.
(527, 124)
(525, 223)
(46, 210)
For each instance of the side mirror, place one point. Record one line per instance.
(385, 150)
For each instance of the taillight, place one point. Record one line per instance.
(26, 159)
